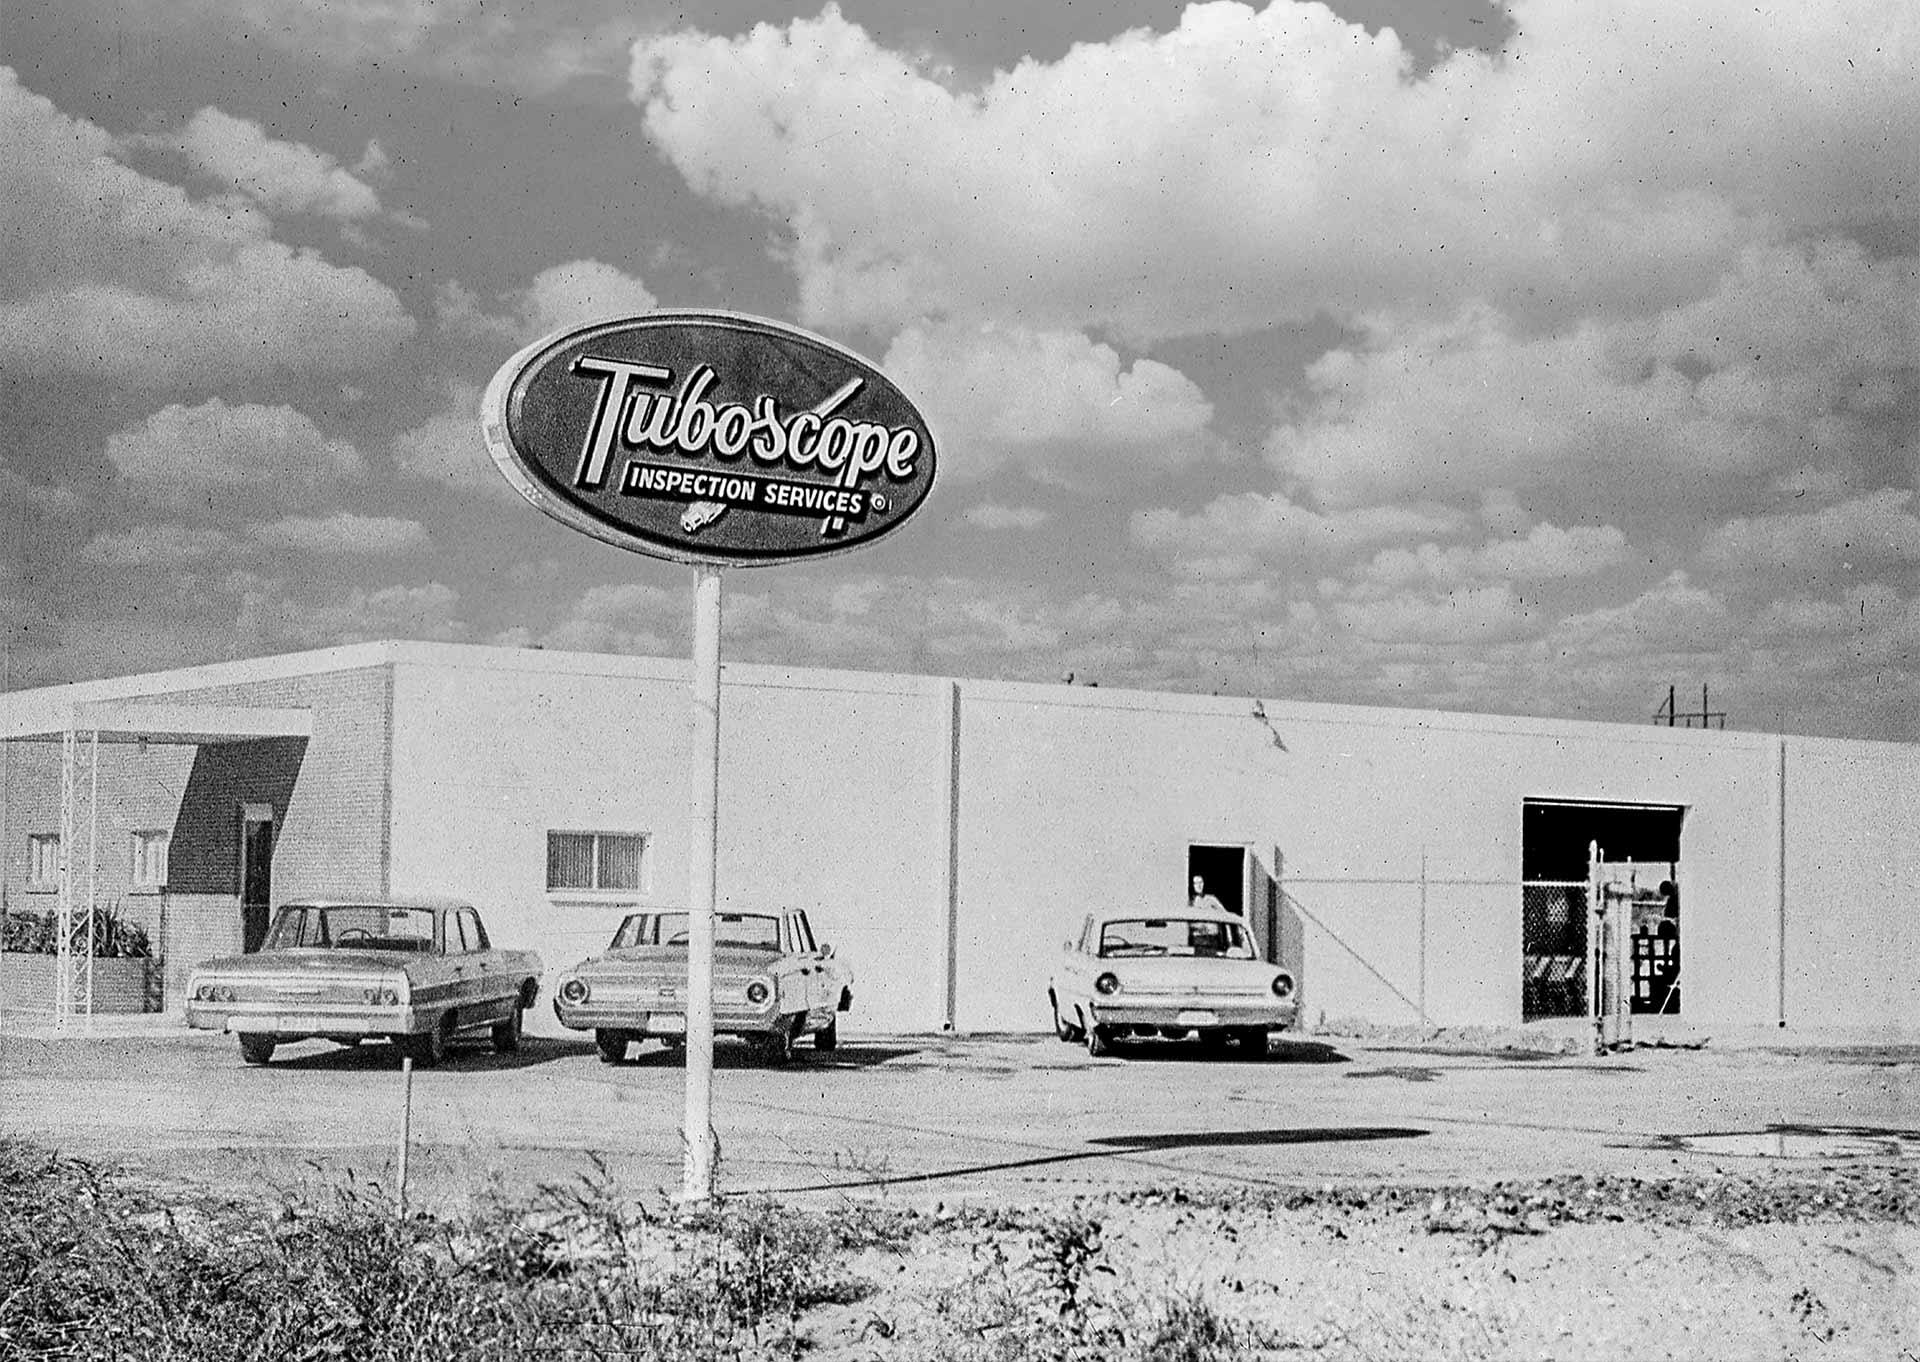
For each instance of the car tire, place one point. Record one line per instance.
(612, 1046)
(828, 1036)
(1062, 1028)
(1098, 1042)
(506, 1034)
(256, 1049)
(1253, 1039)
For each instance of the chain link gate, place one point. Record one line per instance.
(1553, 948)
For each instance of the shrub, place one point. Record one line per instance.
(114, 937)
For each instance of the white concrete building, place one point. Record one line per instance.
(946, 835)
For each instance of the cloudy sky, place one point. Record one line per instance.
(1523, 359)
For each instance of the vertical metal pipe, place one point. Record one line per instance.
(953, 857)
(1423, 939)
(93, 866)
(1780, 901)
(703, 857)
(406, 1133)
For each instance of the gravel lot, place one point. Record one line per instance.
(1387, 1196)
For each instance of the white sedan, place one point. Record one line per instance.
(1191, 975)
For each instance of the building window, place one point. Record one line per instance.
(596, 860)
(43, 860)
(150, 859)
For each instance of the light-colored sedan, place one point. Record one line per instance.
(1191, 975)
(417, 971)
(772, 984)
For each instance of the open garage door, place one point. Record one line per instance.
(1639, 848)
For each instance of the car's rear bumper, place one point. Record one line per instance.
(726, 1021)
(1194, 1014)
(273, 1019)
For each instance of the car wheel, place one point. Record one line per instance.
(1217, 1040)
(612, 1046)
(430, 1047)
(256, 1049)
(828, 1036)
(506, 1034)
(1098, 1042)
(1253, 1039)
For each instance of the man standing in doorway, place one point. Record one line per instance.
(1200, 898)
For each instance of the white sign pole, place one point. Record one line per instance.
(704, 828)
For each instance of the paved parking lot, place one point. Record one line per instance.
(944, 1117)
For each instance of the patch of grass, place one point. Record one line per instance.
(94, 1267)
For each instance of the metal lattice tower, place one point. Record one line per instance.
(74, 948)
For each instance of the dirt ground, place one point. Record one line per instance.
(1379, 1196)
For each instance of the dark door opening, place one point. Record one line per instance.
(1639, 848)
(1220, 871)
(256, 874)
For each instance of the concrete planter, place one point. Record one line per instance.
(120, 985)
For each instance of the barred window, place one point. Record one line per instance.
(150, 859)
(43, 860)
(596, 860)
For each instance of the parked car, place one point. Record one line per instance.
(772, 984)
(417, 971)
(1190, 975)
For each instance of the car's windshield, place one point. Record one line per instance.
(356, 927)
(1174, 936)
(670, 929)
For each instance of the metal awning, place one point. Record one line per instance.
(138, 721)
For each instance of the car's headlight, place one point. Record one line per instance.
(1283, 985)
(1107, 983)
(212, 993)
(381, 997)
(575, 991)
(757, 992)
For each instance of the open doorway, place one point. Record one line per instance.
(1220, 871)
(1639, 847)
(256, 874)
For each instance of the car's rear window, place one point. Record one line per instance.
(671, 929)
(354, 927)
(1174, 936)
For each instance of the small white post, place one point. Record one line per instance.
(703, 855)
(406, 1133)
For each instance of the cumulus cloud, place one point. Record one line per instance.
(1235, 535)
(1545, 553)
(345, 535)
(1252, 165)
(271, 615)
(281, 176)
(1055, 403)
(232, 462)
(560, 296)
(1799, 355)
(993, 516)
(111, 273)
(1466, 616)
(632, 618)
(152, 546)
(1878, 530)
(447, 449)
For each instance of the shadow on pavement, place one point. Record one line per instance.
(463, 1054)
(1119, 1146)
(1281, 1050)
(733, 1055)
(1427, 1073)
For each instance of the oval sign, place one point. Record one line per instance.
(708, 437)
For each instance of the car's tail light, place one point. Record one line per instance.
(574, 991)
(1283, 985)
(757, 992)
(1107, 983)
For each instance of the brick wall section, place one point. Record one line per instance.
(331, 796)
